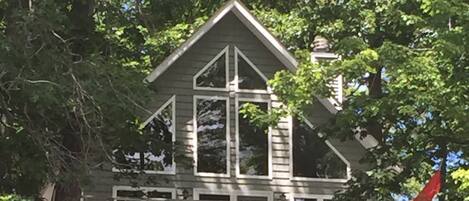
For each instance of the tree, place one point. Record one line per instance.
(71, 82)
(405, 64)
(64, 99)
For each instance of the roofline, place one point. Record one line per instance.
(248, 20)
(261, 32)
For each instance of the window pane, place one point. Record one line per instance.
(305, 199)
(127, 160)
(248, 78)
(154, 149)
(124, 195)
(211, 135)
(252, 198)
(214, 197)
(159, 155)
(159, 194)
(215, 75)
(311, 155)
(253, 145)
(130, 193)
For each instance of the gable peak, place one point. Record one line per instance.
(245, 16)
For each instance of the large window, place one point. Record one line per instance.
(153, 150)
(313, 157)
(211, 119)
(127, 193)
(253, 144)
(212, 137)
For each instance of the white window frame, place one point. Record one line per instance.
(293, 178)
(171, 101)
(233, 193)
(269, 139)
(236, 79)
(310, 196)
(227, 77)
(194, 119)
(145, 189)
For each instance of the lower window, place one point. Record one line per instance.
(152, 150)
(252, 144)
(127, 193)
(212, 136)
(313, 198)
(214, 197)
(313, 157)
(231, 195)
(252, 198)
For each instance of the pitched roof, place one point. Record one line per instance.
(248, 20)
(259, 31)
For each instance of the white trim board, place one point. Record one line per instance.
(225, 52)
(269, 140)
(310, 196)
(253, 25)
(233, 193)
(227, 127)
(257, 29)
(171, 101)
(244, 16)
(293, 178)
(145, 189)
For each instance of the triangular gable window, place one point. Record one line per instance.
(249, 77)
(215, 74)
(159, 132)
(314, 157)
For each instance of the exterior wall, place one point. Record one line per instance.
(178, 80)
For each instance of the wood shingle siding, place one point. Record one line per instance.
(178, 80)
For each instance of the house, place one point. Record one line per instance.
(201, 87)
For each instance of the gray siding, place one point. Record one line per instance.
(177, 80)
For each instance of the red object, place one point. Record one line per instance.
(431, 189)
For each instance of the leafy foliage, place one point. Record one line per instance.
(71, 71)
(403, 62)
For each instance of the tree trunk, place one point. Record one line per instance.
(444, 155)
(374, 128)
(82, 24)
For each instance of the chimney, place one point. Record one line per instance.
(321, 52)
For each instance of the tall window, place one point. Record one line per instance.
(212, 137)
(253, 144)
(211, 119)
(153, 150)
(313, 157)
